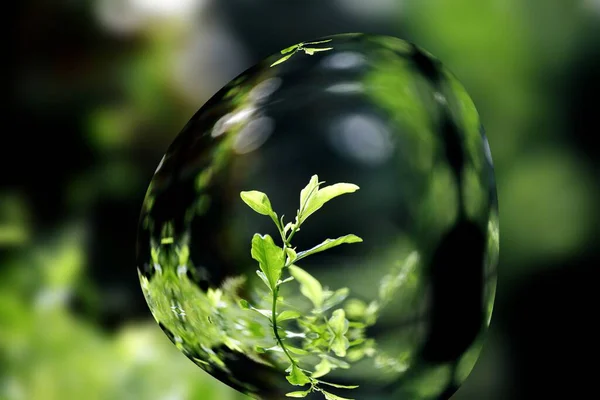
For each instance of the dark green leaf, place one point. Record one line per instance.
(244, 304)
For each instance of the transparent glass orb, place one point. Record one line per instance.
(326, 225)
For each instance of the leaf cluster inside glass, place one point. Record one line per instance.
(326, 329)
(400, 316)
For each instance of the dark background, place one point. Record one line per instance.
(101, 87)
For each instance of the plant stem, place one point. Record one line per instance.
(274, 320)
(286, 244)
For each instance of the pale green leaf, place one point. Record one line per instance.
(328, 244)
(269, 256)
(356, 309)
(288, 314)
(340, 345)
(258, 201)
(297, 377)
(290, 49)
(308, 191)
(319, 41)
(288, 279)
(298, 393)
(336, 298)
(322, 196)
(339, 326)
(282, 59)
(338, 322)
(291, 255)
(287, 227)
(312, 50)
(331, 396)
(295, 350)
(263, 277)
(339, 386)
(309, 286)
(337, 362)
(322, 368)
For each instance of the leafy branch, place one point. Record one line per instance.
(290, 51)
(324, 335)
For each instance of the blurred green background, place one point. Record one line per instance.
(101, 87)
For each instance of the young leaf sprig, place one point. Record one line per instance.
(290, 51)
(328, 334)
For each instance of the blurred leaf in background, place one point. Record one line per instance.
(103, 86)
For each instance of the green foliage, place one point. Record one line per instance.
(328, 244)
(270, 258)
(324, 335)
(290, 51)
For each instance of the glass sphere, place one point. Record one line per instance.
(326, 227)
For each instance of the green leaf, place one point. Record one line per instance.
(322, 368)
(244, 304)
(288, 314)
(269, 256)
(282, 59)
(295, 350)
(297, 377)
(318, 42)
(328, 244)
(309, 286)
(338, 322)
(263, 277)
(356, 309)
(287, 227)
(312, 50)
(340, 345)
(339, 326)
(291, 254)
(308, 191)
(288, 279)
(290, 49)
(298, 394)
(331, 396)
(339, 386)
(337, 362)
(322, 196)
(336, 298)
(258, 201)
